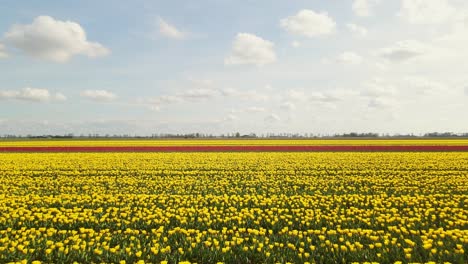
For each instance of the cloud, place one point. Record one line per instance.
(249, 110)
(203, 90)
(357, 30)
(230, 118)
(154, 107)
(32, 94)
(324, 97)
(255, 109)
(349, 58)
(295, 95)
(309, 24)
(403, 51)
(363, 8)
(191, 95)
(251, 95)
(378, 88)
(450, 47)
(289, 106)
(8, 94)
(426, 11)
(327, 100)
(380, 94)
(3, 53)
(425, 86)
(250, 49)
(164, 99)
(201, 82)
(271, 118)
(98, 95)
(169, 30)
(53, 40)
(59, 97)
(380, 102)
(198, 94)
(156, 103)
(295, 44)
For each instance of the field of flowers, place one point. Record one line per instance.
(236, 145)
(234, 207)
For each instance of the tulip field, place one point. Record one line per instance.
(233, 207)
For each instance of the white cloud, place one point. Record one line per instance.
(363, 8)
(8, 94)
(309, 24)
(32, 94)
(324, 97)
(296, 95)
(426, 11)
(248, 110)
(164, 99)
(230, 117)
(452, 45)
(169, 30)
(198, 94)
(154, 107)
(404, 50)
(381, 102)
(251, 95)
(59, 97)
(236, 111)
(156, 103)
(378, 88)
(250, 49)
(349, 57)
(254, 96)
(296, 44)
(255, 109)
(54, 40)
(357, 30)
(201, 82)
(3, 53)
(272, 118)
(288, 106)
(191, 95)
(98, 95)
(425, 86)
(380, 94)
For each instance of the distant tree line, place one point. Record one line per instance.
(239, 135)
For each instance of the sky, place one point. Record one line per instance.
(221, 66)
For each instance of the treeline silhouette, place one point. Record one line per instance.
(239, 135)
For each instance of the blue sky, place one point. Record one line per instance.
(144, 67)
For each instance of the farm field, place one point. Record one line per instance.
(239, 145)
(243, 207)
